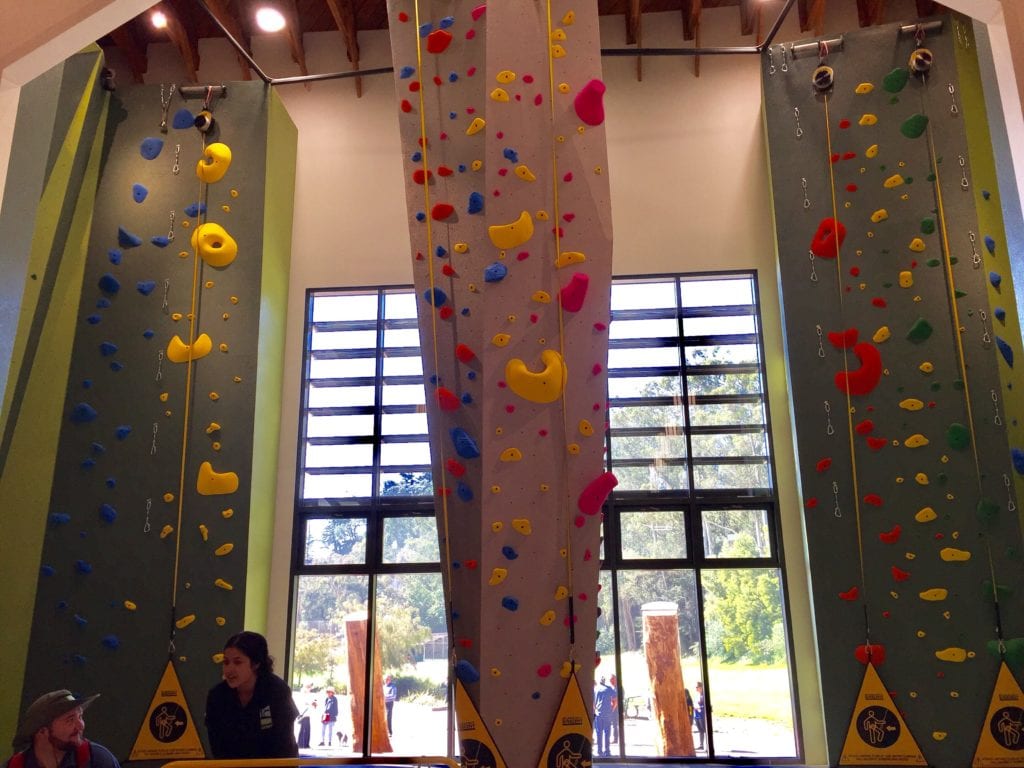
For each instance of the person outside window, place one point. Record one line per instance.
(603, 695)
(699, 719)
(329, 717)
(390, 695)
(52, 735)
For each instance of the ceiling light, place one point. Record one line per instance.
(269, 19)
(158, 19)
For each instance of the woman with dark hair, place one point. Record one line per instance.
(251, 712)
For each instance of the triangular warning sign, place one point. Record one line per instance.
(477, 747)
(168, 732)
(877, 734)
(1002, 739)
(569, 743)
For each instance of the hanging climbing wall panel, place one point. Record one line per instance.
(901, 334)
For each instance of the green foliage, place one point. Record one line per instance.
(398, 630)
(315, 653)
(420, 484)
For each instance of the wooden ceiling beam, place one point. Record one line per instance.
(219, 8)
(928, 8)
(178, 35)
(691, 17)
(294, 30)
(870, 12)
(344, 14)
(633, 20)
(812, 16)
(135, 54)
(748, 15)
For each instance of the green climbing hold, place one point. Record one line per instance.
(914, 126)
(958, 385)
(958, 436)
(959, 294)
(919, 331)
(931, 177)
(933, 262)
(1002, 592)
(927, 226)
(936, 386)
(987, 510)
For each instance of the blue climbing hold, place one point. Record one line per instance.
(111, 642)
(467, 398)
(995, 279)
(79, 659)
(62, 604)
(108, 513)
(160, 241)
(509, 553)
(435, 297)
(990, 245)
(123, 431)
(464, 311)
(465, 445)
(1005, 350)
(97, 448)
(59, 518)
(46, 570)
(83, 566)
(108, 284)
(1017, 456)
(115, 256)
(510, 154)
(195, 209)
(462, 167)
(145, 287)
(421, 216)
(150, 147)
(107, 348)
(535, 695)
(426, 29)
(471, 375)
(440, 252)
(116, 366)
(452, 115)
(94, 319)
(80, 620)
(446, 22)
(183, 119)
(1000, 314)
(986, 194)
(86, 383)
(126, 239)
(406, 72)
(82, 413)
(110, 482)
(103, 302)
(466, 672)
(87, 463)
(453, 77)
(476, 203)
(417, 156)
(510, 604)
(149, 333)
(495, 272)
(139, 193)
(463, 491)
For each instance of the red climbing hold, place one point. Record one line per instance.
(419, 176)
(437, 80)
(522, 256)
(811, 503)
(899, 574)
(828, 239)
(865, 427)
(586, 556)
(464, 354)
(864, 379)
(596, 369)
(544, 669)
(870, 652)
(851, 187)
(849, 155)
(849, 595)
(446, 312)
(891, 536)
(574, 292)
(447, 400)
(447, 270)
(442, 211)
(824, 465)
(438, 41)
(456, 468)
(835, 158)
(879, 302)
(471, 564)
(406, 106)
(477, 12)
(844, 123)
(855, 271)
(465, 642)
(873, 499)
(877, 443)
(594, 495)
(444, 170)
(843, 339)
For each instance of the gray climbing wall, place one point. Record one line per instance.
(157, 494)
(901, 344)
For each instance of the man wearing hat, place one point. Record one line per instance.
(50, 735)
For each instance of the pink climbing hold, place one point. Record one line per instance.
(596, 369)
(470, 34)
(447, 400)
(594, 495)
(477, 12)
(522, 256)
(586, 556)
(463, 353)
(538, 100)
(568, 177)
(580, 521)
(600, 326)
(572, 295)
(544, 670)
(589, 103)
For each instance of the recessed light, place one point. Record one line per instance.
(158, 19)
(269, 19)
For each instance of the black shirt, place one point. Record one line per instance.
(262, 728)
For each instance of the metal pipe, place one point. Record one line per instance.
(330, 76)
(200, 91)
(777, 25)
(928, 26)
(834, 44)
(713, 51)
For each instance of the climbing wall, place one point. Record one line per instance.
(501, 116)
(901, 335)
(156, 495)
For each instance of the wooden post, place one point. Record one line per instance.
(355, 634)
(668, 705)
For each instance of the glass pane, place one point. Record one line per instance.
(736, 533)
(345, 306)
(644, 386)
(721, 353)
(651, 477)
(660, 643)
(643, 357)
(653, 534)
(648, 447)
(712, 326)
(336, 486)
(403, 394)
(646, 416)
(339, 455)
(410, 540)
(748, 690)
(403, 365)
(731, 476)
(644, 329)
(717, 292)
(339, 426)
(335, 541)
(404, 424)
(406, 484)
(404, 454)
(402, 337)
(726, 414)
(410, 624)
(734, 444)
(725, 384)
(643, 295)
(336, 397)
(401, 304)
(340, 369)
(361, 339)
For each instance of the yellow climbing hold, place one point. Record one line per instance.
(569, 18)
(893, 181)
(226, 208)
(460, 247)
(495, 672)
(909, 555)
(882, 334)
(475, 127)
(233, 299)
(166, 531)
(222, 347)
(926, 367)
(568, 668)
(573, 449)
(951, 654)
(511, 454)
(476, 165)
(547, 618)
(525, 173)
(223, 584)
(204, 532)
(911, 404)
(495, 489)
(499, 94)
(867, 119)
(224, 549)
(563, 88)
(211, 483)
(917, 440)
(214, 396)
(916, 245)
(880, 215)
(497, 526)
(565, 258)
(921, 633)
(921, 478)
(217, 658)
(586, 428)
(544, 386)
(522, 525)
(506, 76)
(209, 284)
(501, 339)
(234, 193)
(184, 621)
(212, 427)
(498, 575)
(541, 297)
(952, 555)
(557, 51)
(214, 245)
(542, 216)
(180, 352)
(215, 445)
(863, 88)
(939, 735)
(562, 592)
(871, 152)
(906, 278)
(544, 487)
(215, 163)
(221, 621)
(934, 594)
(168, 497)
(559, 36)
(506, 236)
(164, 396)
(130, 605)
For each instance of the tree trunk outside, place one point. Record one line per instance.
(668, 706)
(355, 634)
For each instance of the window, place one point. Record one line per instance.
(692, 560)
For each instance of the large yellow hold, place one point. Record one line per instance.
(506, 236)
(180, 352)
(214, 245)
(215, 163)
(211, 483)
(544, 386)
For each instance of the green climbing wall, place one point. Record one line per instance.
(902, 334)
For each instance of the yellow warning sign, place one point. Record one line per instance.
(1002, 739)
(478, 748)
(168, 731)
(877, 734)
(569, 742)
